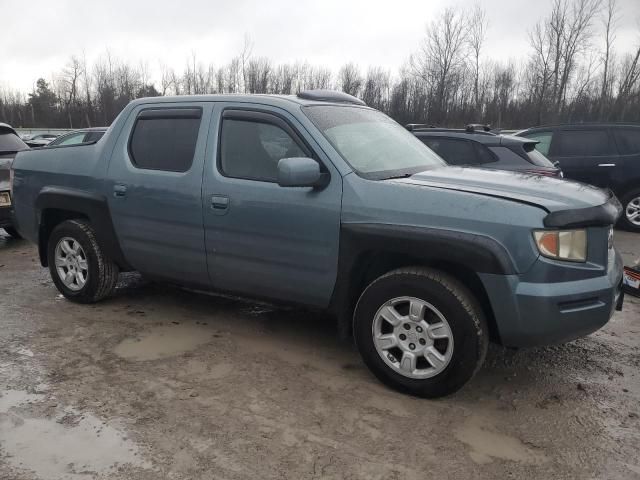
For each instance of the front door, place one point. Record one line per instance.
(155, 176)
(262, 239)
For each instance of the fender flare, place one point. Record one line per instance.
(92, 205)
(426, 245)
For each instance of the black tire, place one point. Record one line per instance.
(625, 200)
(102, 272)
(456, 303)
(13, 233)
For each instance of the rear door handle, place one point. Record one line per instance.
(220, 204)
(606, 164)
(119, 190)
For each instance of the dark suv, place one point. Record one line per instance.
(475, 147)
(604, 155)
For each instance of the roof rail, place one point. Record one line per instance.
(473, 127)
(329, 96)
(418, 126)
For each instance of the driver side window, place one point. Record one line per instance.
(251, 150)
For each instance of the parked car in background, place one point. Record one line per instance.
(321, 201)
(85, 135)
(40, 140)
(10, 144)
(606, 155)
(477, 147)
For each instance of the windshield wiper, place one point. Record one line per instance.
(402, 175)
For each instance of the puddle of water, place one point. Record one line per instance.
(487, 444)
(163, 342)
(53, 450)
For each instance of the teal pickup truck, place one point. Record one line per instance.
(318, 200)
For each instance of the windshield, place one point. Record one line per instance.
(371, 143)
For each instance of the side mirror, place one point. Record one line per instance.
(299, 172)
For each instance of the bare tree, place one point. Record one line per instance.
(576, 36)
(88, 86)
(245, 55)
(610, 27)
(477, 32)
(69, 81)
(349, 79)
(441, 56)
(167, 79)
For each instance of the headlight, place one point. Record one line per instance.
(5, 199)
(562, 244)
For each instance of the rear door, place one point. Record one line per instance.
(155, 189)
(585, 154)
(262, 239)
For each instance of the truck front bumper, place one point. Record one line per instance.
(530, 314)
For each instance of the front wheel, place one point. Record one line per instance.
(78, 266)
(420, 331)
(630, 219)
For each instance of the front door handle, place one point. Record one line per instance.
(606, 164)
(119, 190)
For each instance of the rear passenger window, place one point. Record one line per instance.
(628, 140)
(454, 152)
(165, 140)
(582, 143)
(252, 150)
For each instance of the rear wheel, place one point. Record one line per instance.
(12, 232)
(630, 219)
(420, 331)
(78, 266)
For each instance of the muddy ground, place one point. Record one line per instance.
(159, 382)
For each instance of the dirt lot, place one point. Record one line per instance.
(159, 382)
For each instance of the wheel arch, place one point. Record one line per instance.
(366, 254)
(55, 205)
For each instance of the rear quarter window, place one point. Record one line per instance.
(628, 140)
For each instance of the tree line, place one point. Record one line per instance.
(571, 71)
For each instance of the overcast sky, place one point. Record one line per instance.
(38, 36)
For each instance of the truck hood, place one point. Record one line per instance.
(548, 193)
